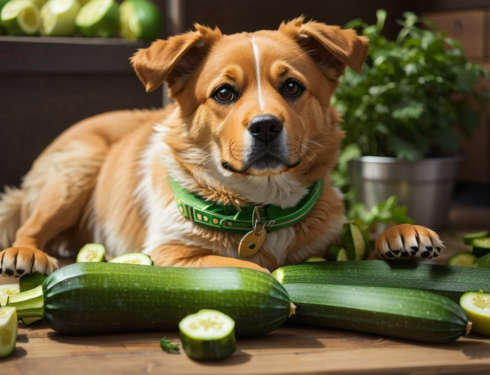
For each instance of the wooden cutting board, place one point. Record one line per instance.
(292, 349)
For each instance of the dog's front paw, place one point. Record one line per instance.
(19, 261)
(408, 241)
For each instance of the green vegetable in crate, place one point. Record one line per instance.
(20, 17)
(451, 282)
(8, 331)
(469, 238)
(477, 308)
(462, 260)
(139, 19)
(92, 298)
(58, 17)
(481, 246)
(208, 335)
(403, 313)
(98, 18)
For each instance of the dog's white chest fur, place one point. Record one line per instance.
(167, 226)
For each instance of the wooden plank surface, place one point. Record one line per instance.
(292, 349)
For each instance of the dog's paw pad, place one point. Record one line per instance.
(407, 241)
(19, 261)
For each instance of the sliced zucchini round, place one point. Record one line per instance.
(477, 308)
(314, 260)
(6, 291)
(8, 330)
(133, 258)
(353, 241)
(91, 252)
(469, 238)
(481, 246)
(342, 255)
(462, 260)
(208, 335)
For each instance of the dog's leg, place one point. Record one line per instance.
(188, 256)
(71, 176)
(408, 241)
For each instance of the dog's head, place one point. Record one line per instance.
(261, 100)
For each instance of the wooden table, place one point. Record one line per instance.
(292, 349)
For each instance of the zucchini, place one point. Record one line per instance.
(353, 241)
(451, 282)
(403, 313)
(133, 258)
(314, 260)
(336, 253)
(31, 280)
(91, 252)
(481, 247)
(477, 308)
(462, 260)
(468, 238)
(93, 298)
(483, 262)
(7, 290)
(208, 335)
(8, 331)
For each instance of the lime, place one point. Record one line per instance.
(98, 18)
(477, 308)
(20, 17)
(58, 17)
(140, 19)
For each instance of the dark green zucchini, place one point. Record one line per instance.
(403, 313)
(92, 298)
(448, 281)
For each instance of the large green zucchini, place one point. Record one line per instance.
(403, 313)
(91, 298)
(448, 281)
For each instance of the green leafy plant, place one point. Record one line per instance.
(413, 94)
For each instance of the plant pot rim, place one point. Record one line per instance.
(391, 160)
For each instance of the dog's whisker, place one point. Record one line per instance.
(314, 142)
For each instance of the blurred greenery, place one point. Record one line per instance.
(413, 94)
(411, 101)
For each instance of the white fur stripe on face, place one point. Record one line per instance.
(257, 69)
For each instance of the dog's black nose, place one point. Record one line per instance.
(265, 127)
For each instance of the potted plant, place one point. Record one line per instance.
(403, 116)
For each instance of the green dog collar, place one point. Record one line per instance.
(226, 218)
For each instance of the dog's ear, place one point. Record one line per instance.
(331, 47)
(175, 59)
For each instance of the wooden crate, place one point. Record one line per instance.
(47, 84)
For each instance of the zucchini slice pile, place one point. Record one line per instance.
(8, 330)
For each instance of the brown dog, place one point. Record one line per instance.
(251, 126)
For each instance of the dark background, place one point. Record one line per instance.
(48, 84)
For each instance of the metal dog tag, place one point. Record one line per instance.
(251, 243)
(253, 240)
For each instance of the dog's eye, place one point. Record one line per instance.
(224, 94)
(292, 88)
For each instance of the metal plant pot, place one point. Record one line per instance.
(425, 186)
